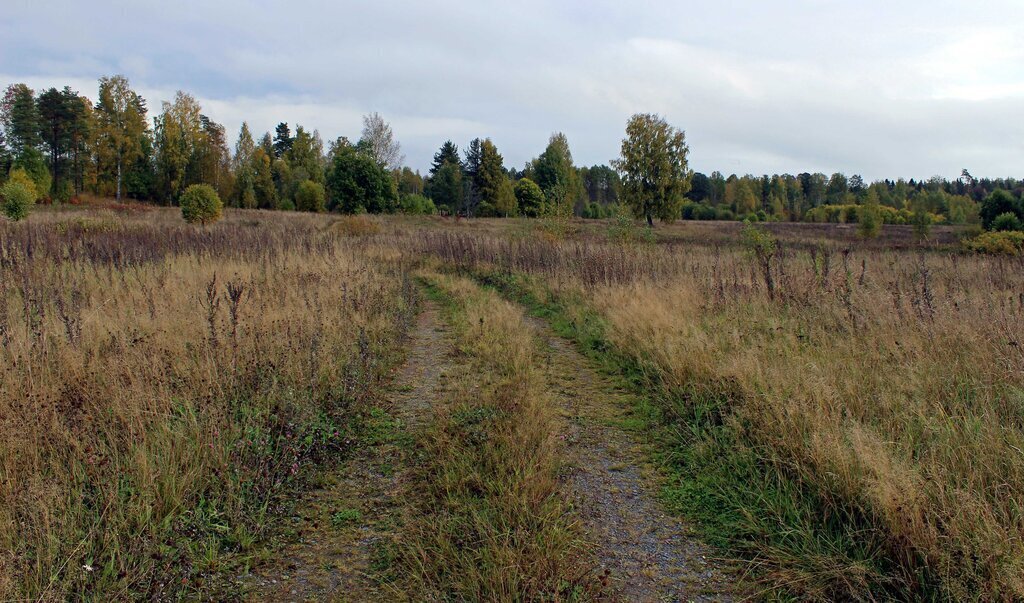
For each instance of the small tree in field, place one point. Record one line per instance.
(310, 196)
(200, 203)
(869, 220)
(654, 169)
(18, 198)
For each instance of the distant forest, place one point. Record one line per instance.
(69, 146)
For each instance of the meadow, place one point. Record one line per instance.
(848, 419)
(163, 385)
(844, 418)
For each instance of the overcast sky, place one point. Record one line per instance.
(885, 88)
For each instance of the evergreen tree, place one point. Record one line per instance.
(82, 133)
(492, 181)
(20, 117)
(449, 153)
(282, 140)
(5, 158)
(54, 118)
(267, 144)
(446, 187)
(555, 173)
(471, 164)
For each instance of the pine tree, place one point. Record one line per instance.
(282, 139)
(59, 113)
(20, 117)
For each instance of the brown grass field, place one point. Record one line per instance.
(845, 417)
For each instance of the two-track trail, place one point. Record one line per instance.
(645, 554)
(346, 527)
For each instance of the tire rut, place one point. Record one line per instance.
(644, 554)
(345, 527)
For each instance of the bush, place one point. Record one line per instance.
(18, 198)
(530, 197)
(416, 205)
(21, 177)
(869, 221)
(200, 203)
(997, 204)
(32, 163)
(1006, 221)
(310, 196)
(997, 243)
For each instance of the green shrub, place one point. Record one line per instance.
(18, 198)
(869, 222)
(21, 177)
(997, 243)
(32, 162)
(200, 203)
(530, 197)
(998, 203)
(1006, 221)
(63, 191)
(922, 222)
(416, 205)
(310, 196)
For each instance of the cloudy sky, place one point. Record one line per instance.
(885, 88)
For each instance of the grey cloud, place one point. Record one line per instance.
(881, 88)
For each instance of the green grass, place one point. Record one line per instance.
(345, 517)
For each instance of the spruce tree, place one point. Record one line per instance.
(282, 139)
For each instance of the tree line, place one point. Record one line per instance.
(62, 145)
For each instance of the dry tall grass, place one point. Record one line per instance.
(161, 383)
(887, 385)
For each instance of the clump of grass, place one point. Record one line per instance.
(355, 226)
(489, 522)
(344, 517)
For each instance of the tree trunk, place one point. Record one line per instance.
(650, 221)
(118, 180)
